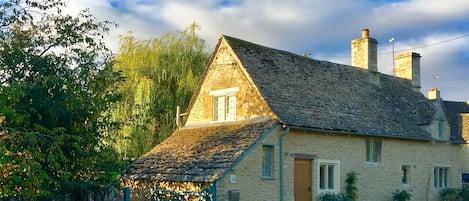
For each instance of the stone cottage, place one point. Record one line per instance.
(266, 124)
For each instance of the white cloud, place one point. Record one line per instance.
(322, 28)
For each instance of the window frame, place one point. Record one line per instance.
(268, 160)
(373, 150)
(224, 104)
(323, 172)
(441, 177)
(439, 129)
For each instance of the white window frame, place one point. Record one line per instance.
(336, 176)
(441, 177)
(224, 104)
(371, 149)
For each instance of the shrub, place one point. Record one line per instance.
(450, 194)
(351, 190)
(465, 192)
(401, 195)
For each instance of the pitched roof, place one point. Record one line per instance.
(308, 93)
(453, 109)
(198, 154)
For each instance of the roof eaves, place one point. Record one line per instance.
(332, 131)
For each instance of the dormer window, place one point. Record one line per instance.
(439, 129)
(224, 104)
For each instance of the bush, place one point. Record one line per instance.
(465, 192)
(450, 194)
(351, 191)
(401, 195)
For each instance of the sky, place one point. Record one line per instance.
(438, 29)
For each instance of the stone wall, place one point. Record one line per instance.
(375, 181)
(465, 149)
(223, 73)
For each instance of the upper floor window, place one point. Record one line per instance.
(224, 104)
(440, 177)
(406, 174)
(329, 176)
(268, 161)
(373, 150)
(439, 129)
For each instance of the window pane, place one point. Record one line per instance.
(445, 177)
(377, 151)
(322, 177)
(231, 107)
(405, 174)
(368, 150)
(435, 177)
(373, 150)
(330, 178)
(267, 160)
(440, 177)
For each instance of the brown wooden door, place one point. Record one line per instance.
(303, 179)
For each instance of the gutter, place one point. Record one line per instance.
(287, 130)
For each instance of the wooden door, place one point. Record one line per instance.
(303, 179)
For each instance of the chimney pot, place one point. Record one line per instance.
(365, 33)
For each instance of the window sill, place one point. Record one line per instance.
(373, 164)
(407, 185)
(267, 178)
(328, 191)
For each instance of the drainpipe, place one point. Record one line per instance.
(287, 129)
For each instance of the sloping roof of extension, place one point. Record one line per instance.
(453, 110)
(200, 154)
(312, 94)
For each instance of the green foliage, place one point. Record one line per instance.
(450, 194)
(160, 75)
(351, 190)
(401, 195)
(334, 197)
(56, 85)
(465, 192)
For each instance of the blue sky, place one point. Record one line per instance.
(437, 29)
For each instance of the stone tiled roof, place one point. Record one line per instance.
(307, 93)
(453, 110)
(198, 154)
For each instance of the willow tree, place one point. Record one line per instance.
(160, 73)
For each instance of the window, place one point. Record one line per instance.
(439, 129)
(267, 161)
(329, 178)
(405, 174)
(440, 177)
(224, 104)
(373, 150)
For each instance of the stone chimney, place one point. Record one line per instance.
(407, 66)
(465, 126)
(365, 52)
(433, 94)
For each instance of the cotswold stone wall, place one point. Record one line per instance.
(247, 174)
(375, 181)
(465, 149)
(223, 73)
